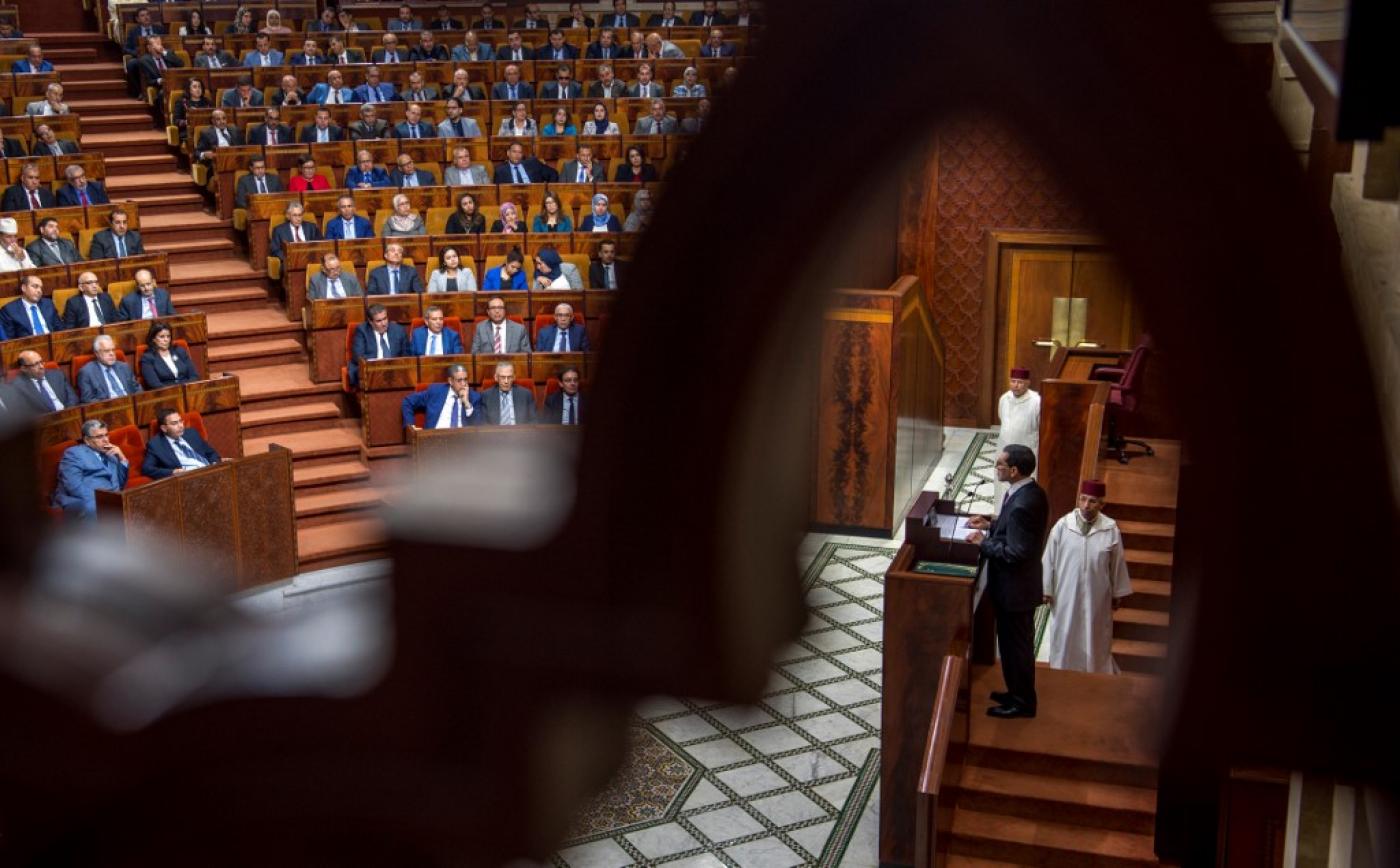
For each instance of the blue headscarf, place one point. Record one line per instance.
(551, 258)
(599, 221)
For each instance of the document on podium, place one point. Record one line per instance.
(954, 527)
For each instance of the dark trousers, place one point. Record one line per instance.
(1016, 642)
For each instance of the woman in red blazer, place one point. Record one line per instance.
(308, 179)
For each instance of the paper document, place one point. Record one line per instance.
(954, 527)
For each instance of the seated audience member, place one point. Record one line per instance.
(620, 17)
(667, 17)
(463, 172)
(565, 407)
(505, 404)
(296, 229)
(31, 314)
(217, 135)
(272, 23)
(13, 256)
(519, 123)
(390, 52)
(271, 131)
(242, 95)
(307, 178)
(533, 19)
(708, 16)
(689, 86)
(599, 124)
(418, 91)
(117, 242)
(607, 271)
(656, 122)
(10, 146)
(549, 270)
(407, 174)
(472, 49)
(636, 47)
(645, 87)
(374, 90)
(393, 277)
(605, 47)
(498, 334)
(105, 377)
(91, 306)
(466, 220)
(599, 218)
(176, 448)
(94, 465)
(258, 180)
(45, 389)
(210, 56)
(576, 18)
(452, 404)
(512, 88)
(377, 338)
(321, 130)
(325, 24)
(608, 85)
(48, 144)
(331, 282)
(33, 61)
(288, 93)
(640, 215)
(510, 221)
(581, 169)
(463, 90)
(696, 122)
(346, 223)
(413, 126)
(148, 301)
(332, 91)
(559, 124)
(635, 169)
(431, 339)
(51, 104)
(715, 46)
(517, 169)
(338, 52)
(404, 221)
(310, 54)
(444, 20)
(508, 275)
(370, 125)
(144, 29)
(565, 335)
(347, 21)
(194, 97)
(165, 363)
(551, 217)
(563, 86)
(663, 48)
(263, 54)
(52, 247)
(242, 24)
(488, 20)
(156, 61)
(79, 190)
(406, 21)
(365, 175)
(556, 49)
(515, 49)
(8, 30)
(428, 51)
(451, 275)
(746, 18)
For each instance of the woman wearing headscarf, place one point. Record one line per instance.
(549, 270)
(599, 125)
(509, 220)
(640, 216)
(600, 219)
(404, 220)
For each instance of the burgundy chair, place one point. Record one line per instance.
(1123, 397)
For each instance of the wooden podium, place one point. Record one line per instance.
(238, 517)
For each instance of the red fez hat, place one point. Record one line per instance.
(1093, 488)
(1021, 373)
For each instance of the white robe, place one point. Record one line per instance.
(1020, 423)
(1084, 574)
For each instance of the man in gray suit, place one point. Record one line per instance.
(258, 180)
(457, 127)
(330, 282)
(211, 57)
(496, 334)
(655, 123)
(105, 377)
(51, 248)
(505, 404)
(463, 172)
(582, 169)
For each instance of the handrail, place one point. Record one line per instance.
(940, 729)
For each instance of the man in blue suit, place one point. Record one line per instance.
(148, 301)
(377, 338)
(407, 174)
(31, 313)
(452, 404)
(431, 339)
(264, 54)
(393, 277)
(565, 336)
(79, 190)
(332, 91)
(413, 126)
(176, 449)
(348, 224)
(373, 90)
(33, 62)
(94, 464)
(105, 377)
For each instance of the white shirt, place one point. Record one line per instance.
(12, 263)
(94, 310)
(444, 419)
(433, 345)
(186, 461)
(379, 341)
(169, 360)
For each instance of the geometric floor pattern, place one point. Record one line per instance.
(777, 784)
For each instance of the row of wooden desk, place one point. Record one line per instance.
(71, 218)
(63, 346)
(20, 125)
(52, 169)
(216, 400)
(58, 278)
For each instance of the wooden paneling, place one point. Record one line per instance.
(266, 508)
(1069, 411)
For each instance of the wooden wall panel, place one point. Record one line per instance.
(1065, 415)
(212, 542)
(266, 552)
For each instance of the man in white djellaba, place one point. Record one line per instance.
(1085, 580)
(1019, 412)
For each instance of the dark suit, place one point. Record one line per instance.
(65, 146)
(430, 402)
(43, 254)
(308, 134)
(258, 136)
(522, 399)
(380, 130)
(597, 172)
(77, 316)
(408, 281)
(161, 460)
(155, 374)
(14, 318)
(282, 236)
(352, 55)
(567, 51)
(550, 90)
(209, 141)
(13, 147)
(28, 389)
(553, 413)
(578, 339)
(362, 346)
(726, 49)
(523, 90)
(133, 302)
(425, 130)
(451, 341)
(335, 228)
(93, 385)
(598, 280)
(697, 19)
(401, 55)
(68, 195)
(282, 98)
(618, 89)
(17, 198)
(1011, 553)
(150, 74)
(437, 52)
(317, 285)
(533, 168)
(233, 100)
(104, 244)
(595, 51)
(225, 60)
(248, 184)
(422, 176)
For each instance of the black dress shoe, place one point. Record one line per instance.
(1001, 697)
(1006, 712)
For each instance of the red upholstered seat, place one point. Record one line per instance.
(79, 361)
(192, 420)
(349, 347)
(1122, 398)
(49, 457)
(128, 439)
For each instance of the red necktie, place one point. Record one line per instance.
(34, 200)
(82, 194)
(151, 305)
(160, 64)
(272, 135)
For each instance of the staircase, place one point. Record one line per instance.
(249, 333)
